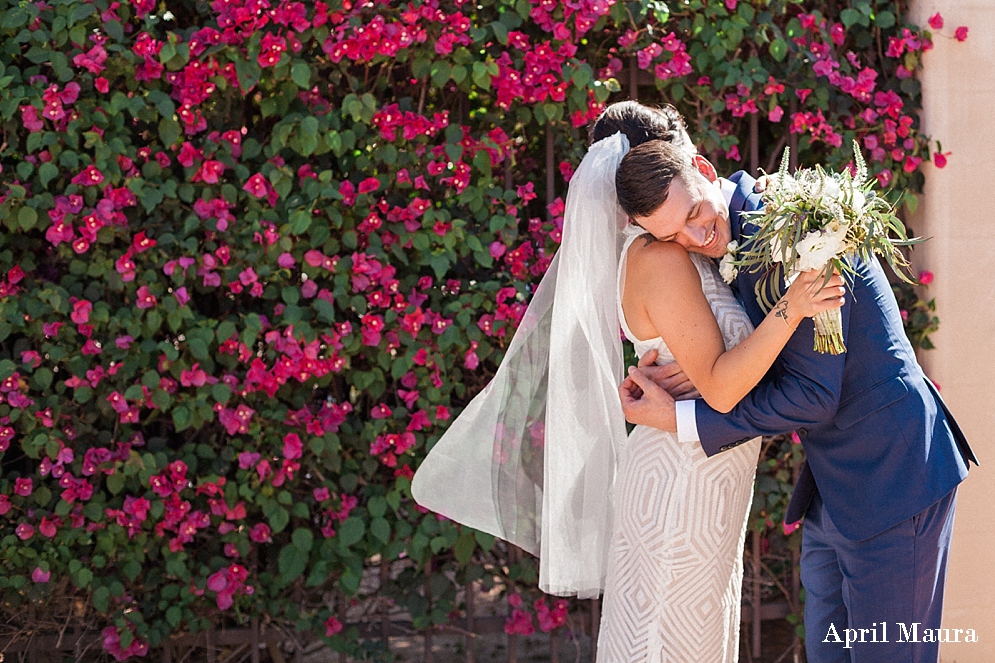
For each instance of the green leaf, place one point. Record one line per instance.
(174, 614)
(198, 348)
(300, 73)
(279, 518)
(83, 578)
(115, 483)
(377, 506)
(221, 392)
(47, 172)
(778, 49)
(464, 547)
(292, 563)
(169, 131)
(15, 18)
(380, 528)
(182, 418)
(501, 32)
(101, 598)
(850, 17)
(352, 530)
(27, 217)
(43, 378)
(303, 539)
(884, 20)
(300, 221)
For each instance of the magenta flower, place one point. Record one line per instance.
(925, 277)
(89, 177)
(292, 447)
(145, 298)
(23, 487)
(81, 312)
(40, 576)
(257, 186)
(332, 626)
(369, 185)
(260, 533)
(936, 21)
(961, 33)
(24, 531)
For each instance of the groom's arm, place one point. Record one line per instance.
(804, 391)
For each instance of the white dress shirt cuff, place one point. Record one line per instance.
(687, 424)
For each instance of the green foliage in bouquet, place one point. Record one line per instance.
(814, 220)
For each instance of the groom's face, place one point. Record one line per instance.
(695, 214)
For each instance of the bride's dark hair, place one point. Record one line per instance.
(642, 123)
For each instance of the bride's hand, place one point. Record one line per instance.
(809, 295)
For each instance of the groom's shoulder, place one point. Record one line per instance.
(744, 198)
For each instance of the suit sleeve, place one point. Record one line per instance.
(802, 390)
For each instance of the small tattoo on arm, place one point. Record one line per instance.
(781, 311)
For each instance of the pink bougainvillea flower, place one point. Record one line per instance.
(40, 576)
(145, 298)
(141, 243)
(292, 446)
(23, 487)
(257, 186)
(332, 626)
(940, 159)
(369, 185)
(775, 114)
(926, 277)
(90, 176)
(788, 528)
(961, 33)
(286, 260)
(93, 60)
(248, 459)
(260, 533)
(181, 295)
(47, 528)
(210, 171)
(101, 84)
(936, 21)
(24, 531)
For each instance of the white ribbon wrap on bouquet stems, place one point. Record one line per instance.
(532, 458)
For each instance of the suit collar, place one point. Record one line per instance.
(738, 202)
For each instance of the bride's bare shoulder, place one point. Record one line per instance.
(659, 262)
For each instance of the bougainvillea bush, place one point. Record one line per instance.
(256, 255)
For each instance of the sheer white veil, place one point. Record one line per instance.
(532, 458)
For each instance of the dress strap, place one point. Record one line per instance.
(630, 236)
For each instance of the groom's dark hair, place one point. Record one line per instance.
(642, 181)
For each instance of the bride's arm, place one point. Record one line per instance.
(667, 290)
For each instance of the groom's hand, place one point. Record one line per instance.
(645, 403)
(669, 377)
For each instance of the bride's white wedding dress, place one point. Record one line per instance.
(675, 570)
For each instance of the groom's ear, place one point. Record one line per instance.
(705, 167)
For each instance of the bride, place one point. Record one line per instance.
(541, 458)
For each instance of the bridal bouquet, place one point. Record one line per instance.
(813, 220)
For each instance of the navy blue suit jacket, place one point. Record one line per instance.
(880, 444)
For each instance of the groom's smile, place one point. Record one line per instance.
(694, 215)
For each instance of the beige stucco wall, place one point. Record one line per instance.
(957, 211)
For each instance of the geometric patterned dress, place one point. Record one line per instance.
(673, 588)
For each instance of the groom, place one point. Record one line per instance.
(884, 455)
